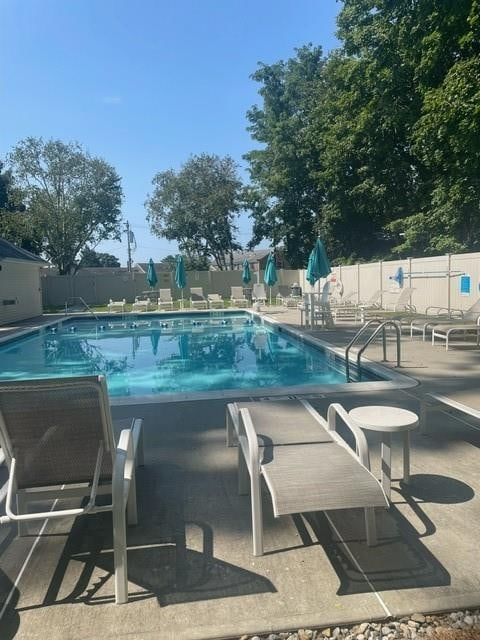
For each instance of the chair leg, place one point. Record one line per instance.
(230, 429)
(132, 516)
(371, 526)
(257, 516)
(21, 508)
(120, 554)
(243, 479)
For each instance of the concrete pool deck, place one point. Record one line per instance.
(192, 574)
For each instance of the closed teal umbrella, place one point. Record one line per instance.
(246, 274)
(318, 265)
(151, 274)
(270, 275)
(180, 275)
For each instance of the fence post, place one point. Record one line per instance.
(449, 265)
(358, 283)
(380, 265)
(410, 280)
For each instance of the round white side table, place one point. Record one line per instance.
(388, 420)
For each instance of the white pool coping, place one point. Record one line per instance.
(392, 379)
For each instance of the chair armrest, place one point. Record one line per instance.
(123, 467)
(439, 311)
(253, 459)
(361, 443)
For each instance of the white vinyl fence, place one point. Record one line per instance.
(97, 289)
(450, 281)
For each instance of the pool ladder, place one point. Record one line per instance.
(382, 327)
(84, 304)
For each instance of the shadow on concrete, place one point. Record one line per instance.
(160, 564)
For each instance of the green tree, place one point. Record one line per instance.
(197, 207)
(283, 196)
(92, 258)
(15, 223)
(73, 199)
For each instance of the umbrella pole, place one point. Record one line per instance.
(182, 298)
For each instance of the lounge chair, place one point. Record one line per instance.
(451, 405)
(441, 315)
(259, 294)
(142, 305)
(444, 331)
(284, 297)
(165, 300)
(321, 306)
(215, 301)
(305, 463)
(400, 301)
(197, 299)
(116, 305)
(238, 298)
(60, 442)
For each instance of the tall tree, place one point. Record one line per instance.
(72, 198)
(197, 207)
(15, 223)
(283, 197)
(92, 258)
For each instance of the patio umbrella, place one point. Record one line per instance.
(246, 274)
(318, 265)
(180, 275)
(270, 275)
(151, 274)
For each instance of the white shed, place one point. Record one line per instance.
(20, 290)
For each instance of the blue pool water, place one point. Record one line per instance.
(187, 354)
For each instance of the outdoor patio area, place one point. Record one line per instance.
(191, 571)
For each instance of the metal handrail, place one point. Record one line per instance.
(84, 304)
(381, 327)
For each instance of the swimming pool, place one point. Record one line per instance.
(144, 356)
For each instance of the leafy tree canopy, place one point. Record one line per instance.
(72, 199)
(197, 206)
(92, 258)
(283, 198)
(376, 146)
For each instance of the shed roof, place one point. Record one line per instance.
(10, 251)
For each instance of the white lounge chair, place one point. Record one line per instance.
(321, 307)
(237, 298)
(259, 294)
(441, 315)
(445, 331)
(284, 442)
(142, 305)
(116, 305)
(400, 301)
(60, 443)
(451, 405)
(284, 297)
(197, 299)
(215, 301)
(165, 300)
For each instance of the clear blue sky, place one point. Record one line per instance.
(145, 84)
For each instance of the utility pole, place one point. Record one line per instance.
(129, 247)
